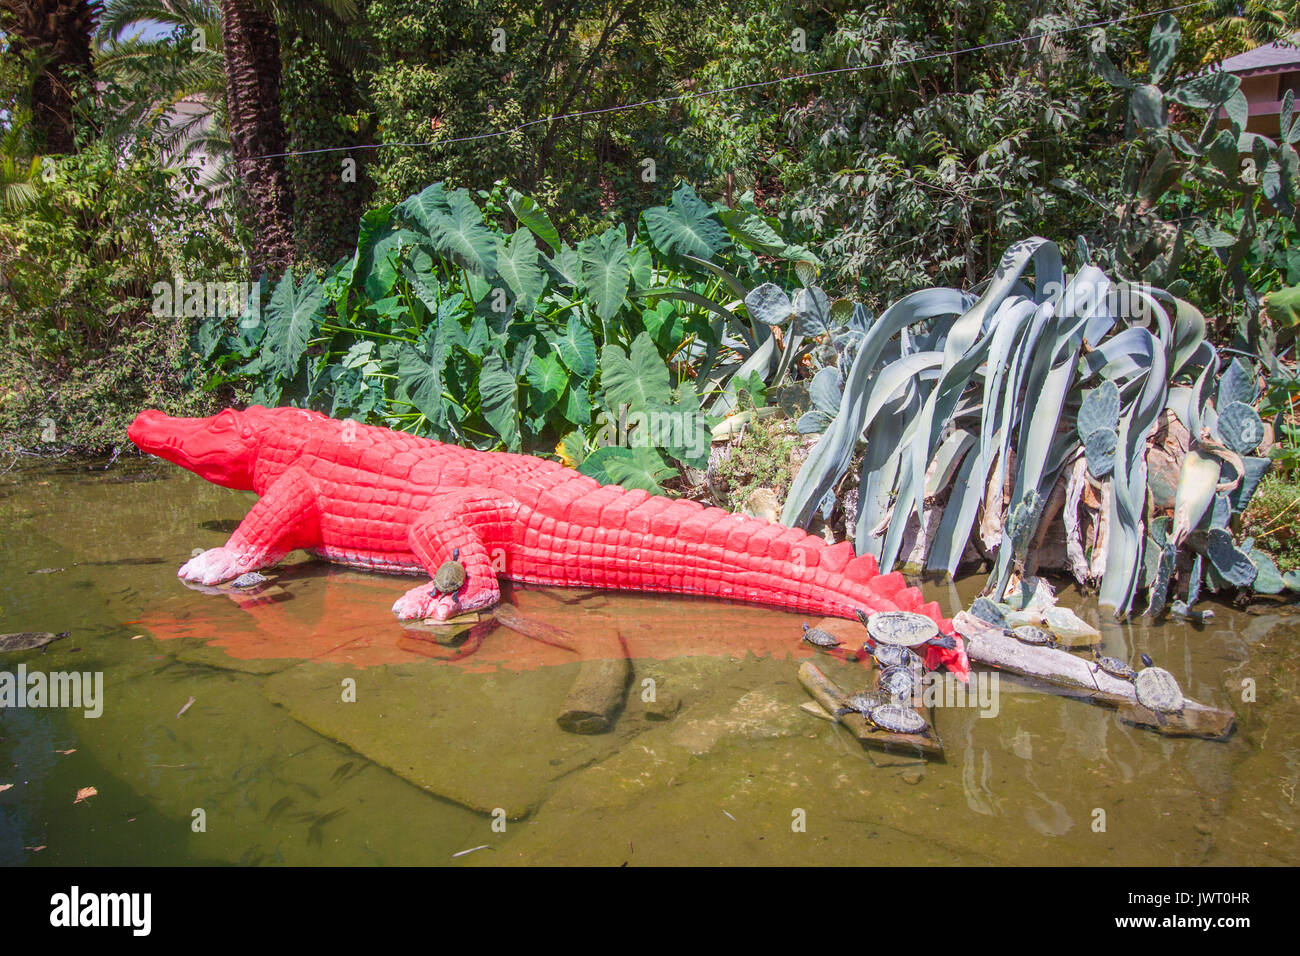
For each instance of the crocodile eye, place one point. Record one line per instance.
(225, 421)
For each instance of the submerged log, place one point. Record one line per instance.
(1080, 678)
(833, 700)
(509, 616)
(597, 695)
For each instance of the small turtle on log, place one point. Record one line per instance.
(450, 577)
(1157, 690)
(29, 640)
(1034, 635)
(863, 703)
(819, 638)
(891, 655)
(898, 682)
(1112, 666)
(898, 719)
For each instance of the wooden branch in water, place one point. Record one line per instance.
(1080, 677)
(597, 695)
(833, 700)
(509, 616)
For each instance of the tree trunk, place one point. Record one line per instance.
(57, 34)
(252, 52)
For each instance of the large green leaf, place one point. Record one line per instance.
(499, 394)
(638, 379)
(639, 467)
(606, 270)
(517, 264)
(291, 316)
(577, 347)
(546, 383)
(687, 225)
(457, 231)
(529, 214)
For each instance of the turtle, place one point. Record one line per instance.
(249, 579)
(904, 629)
(819, 638)
(898, 719)
(1034, 635)
(891, 655)
(862, 703)
(1157, 690)
(1112, 666)
(29, 640)
(450, 577)
(897, 681)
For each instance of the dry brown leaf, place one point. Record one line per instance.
(85, 793)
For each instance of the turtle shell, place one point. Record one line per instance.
(864, 702)
(897, 681)
(1115, 667)
(893, 655)
(1033, 635)
(897, 719)
(1157, 690)
(819, 638)
(901, 627)
(450, 577)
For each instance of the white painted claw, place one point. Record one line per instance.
(425, 602)
(214, 566)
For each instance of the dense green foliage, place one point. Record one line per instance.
(497, 333)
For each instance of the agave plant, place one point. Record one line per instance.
(999, 407)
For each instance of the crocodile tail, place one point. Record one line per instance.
(681, 546)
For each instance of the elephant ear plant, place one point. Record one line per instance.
(468, 318)
(979, 420)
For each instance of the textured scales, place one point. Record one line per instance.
(374, 498)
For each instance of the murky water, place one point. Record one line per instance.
(323, 731)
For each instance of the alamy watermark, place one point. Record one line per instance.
(208, 300)
(74, 690)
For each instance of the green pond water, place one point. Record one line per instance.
(324, 732)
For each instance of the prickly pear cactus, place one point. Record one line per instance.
(1098, 426)
(1230, 565)
(1241, 427)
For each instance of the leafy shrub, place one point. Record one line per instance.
(447, 323)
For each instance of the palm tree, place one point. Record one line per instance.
(19, 167)
(56, 35)
(232, 116)
(179, 79)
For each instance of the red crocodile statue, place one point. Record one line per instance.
(374, 498)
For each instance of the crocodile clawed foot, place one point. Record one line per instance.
(214, 566)
(424, 602)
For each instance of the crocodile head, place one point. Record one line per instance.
(222, 448)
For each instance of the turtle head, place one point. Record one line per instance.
(1147, 660)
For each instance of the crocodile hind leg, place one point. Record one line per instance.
(463, 523)
(279, 522)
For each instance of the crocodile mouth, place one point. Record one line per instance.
(156, 433)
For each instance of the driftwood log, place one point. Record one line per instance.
(508, 615)
(833, 700)
(598, 692)
(1079, 677)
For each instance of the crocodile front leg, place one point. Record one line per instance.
(279, 522)
(465, 521)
